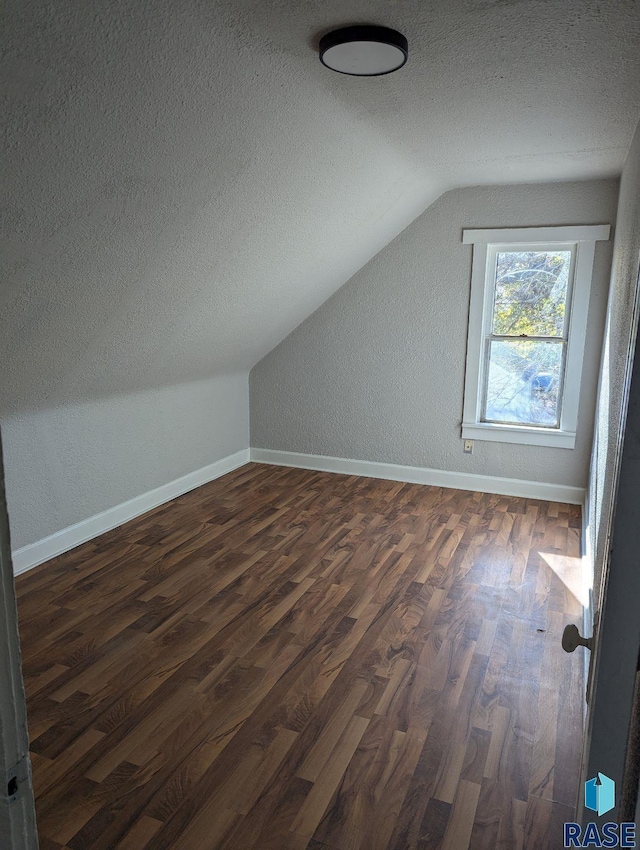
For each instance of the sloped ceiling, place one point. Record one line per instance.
(185, 182)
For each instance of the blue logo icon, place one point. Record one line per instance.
(600, 797)
(600, 794)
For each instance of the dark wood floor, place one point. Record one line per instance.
(287, 659)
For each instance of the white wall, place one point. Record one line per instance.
(377, 372)
(620, 332)
(68, 463)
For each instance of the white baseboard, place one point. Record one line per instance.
(423, 475)
(68, 538)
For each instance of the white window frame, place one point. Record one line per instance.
(581, 240)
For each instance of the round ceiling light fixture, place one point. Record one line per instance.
(364, 51)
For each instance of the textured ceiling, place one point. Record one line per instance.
(185, 182)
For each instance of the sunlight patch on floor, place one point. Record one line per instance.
(571, 572)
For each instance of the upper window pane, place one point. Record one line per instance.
(531, 293)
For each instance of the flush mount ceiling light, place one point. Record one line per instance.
(364, 51)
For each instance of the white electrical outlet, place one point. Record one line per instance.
(468, 447)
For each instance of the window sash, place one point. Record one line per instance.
(485, 382)
(491, 272)
(582, 239)
(491, 278)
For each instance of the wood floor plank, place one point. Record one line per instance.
(320, 795)
(461, 818)
(140, 835)
(286, 659)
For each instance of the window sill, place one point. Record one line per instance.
(521, 434)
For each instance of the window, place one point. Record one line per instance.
(527, 326)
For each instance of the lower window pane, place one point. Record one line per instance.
(523, 382)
